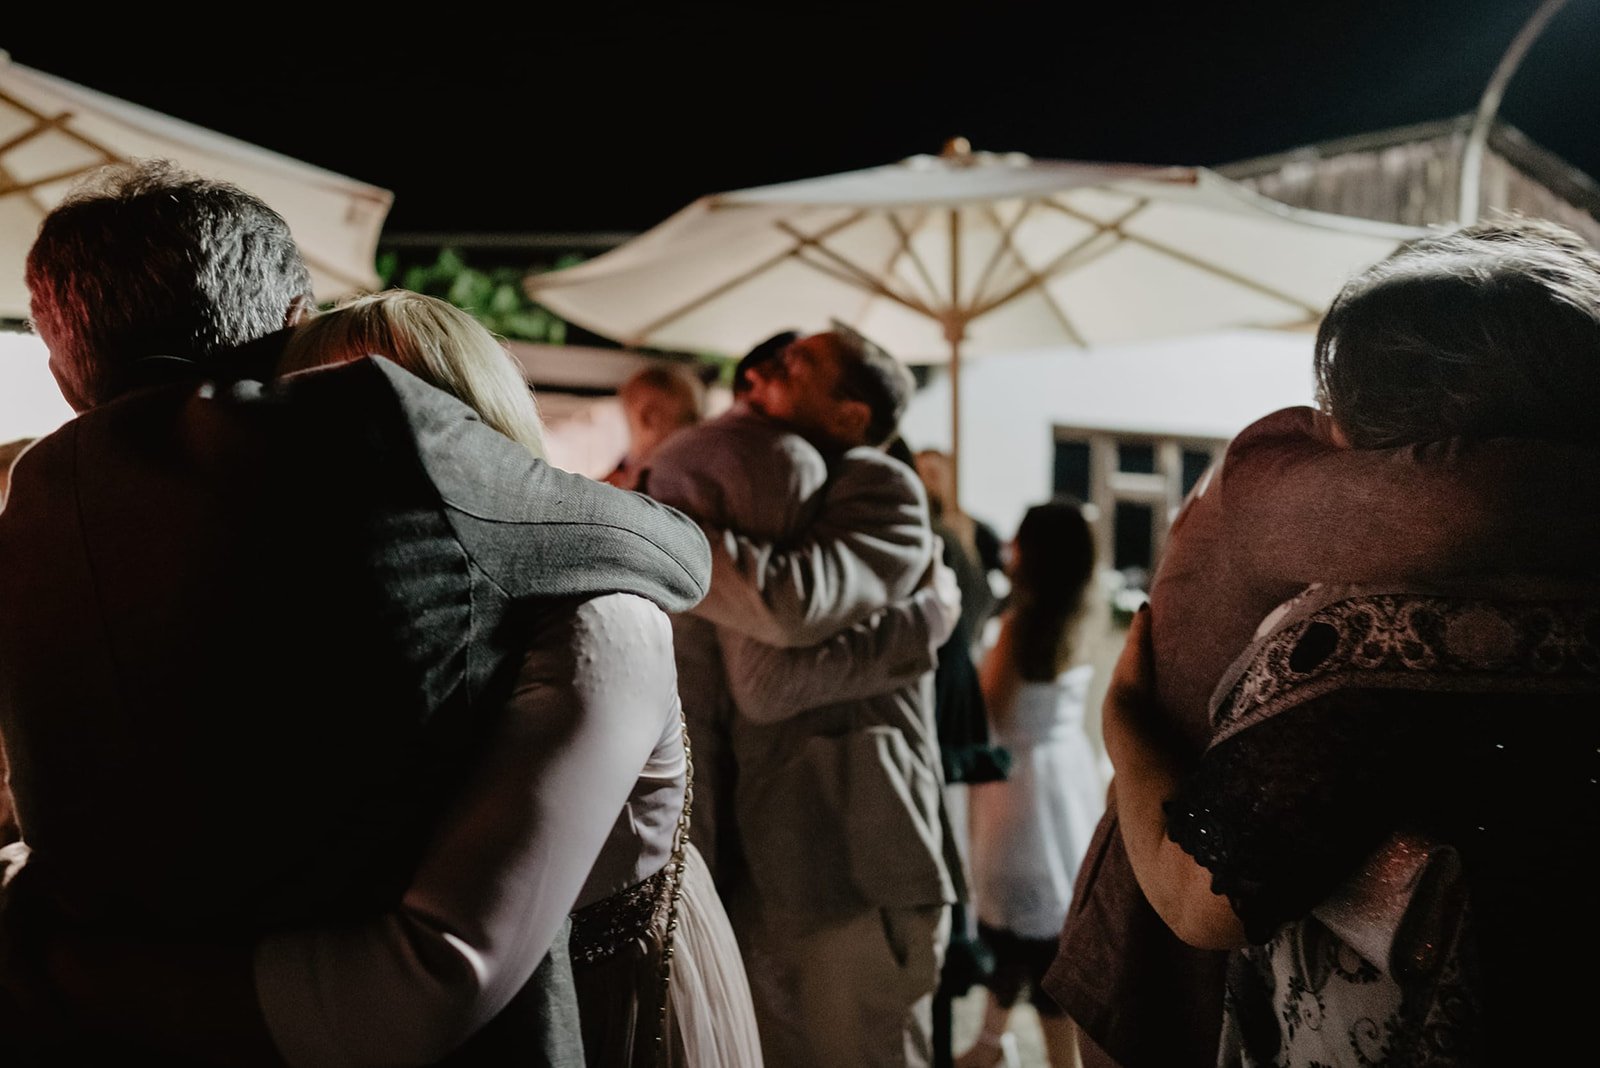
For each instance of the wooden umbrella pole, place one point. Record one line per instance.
(955, 424)
(955, 328)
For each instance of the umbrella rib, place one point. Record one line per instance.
(853, 276)
(1038, 278)
(1222, 272)
(1005, 245)
(9, 184)
(12, 185)
(638, 337)
(1195, 261)
(849, 272)
(1294, 324)
(906, 249)
(41, 123)
(1067, 325)
(60, 123)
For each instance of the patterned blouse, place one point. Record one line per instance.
(1394, 788)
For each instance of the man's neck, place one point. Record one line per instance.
(256, 360)
(823, 442)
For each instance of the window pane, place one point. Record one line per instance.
(1072, 469)
(1136, 459)
(1195, 462)
(1133, 536)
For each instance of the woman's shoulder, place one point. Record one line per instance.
(1069, 687)
(605, 627)
(1072, 683)
(623, 616)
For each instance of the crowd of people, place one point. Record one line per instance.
(343, 729)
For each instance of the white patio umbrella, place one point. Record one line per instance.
(940, 257)
(52, 131)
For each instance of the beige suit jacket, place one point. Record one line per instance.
(839, 806)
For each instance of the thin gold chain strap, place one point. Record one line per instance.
(680, 841)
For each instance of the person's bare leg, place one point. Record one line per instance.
(987, 1051)
(1060, 1041)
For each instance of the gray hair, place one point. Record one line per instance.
(1489, 329)
(146, 260)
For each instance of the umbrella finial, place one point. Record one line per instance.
(957, 150)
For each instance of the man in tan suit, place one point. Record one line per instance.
(842, 876)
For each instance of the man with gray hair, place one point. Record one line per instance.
(842, 870)
(253, 661)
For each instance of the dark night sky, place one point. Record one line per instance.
(604, 118)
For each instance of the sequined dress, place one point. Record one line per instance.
(658, 972)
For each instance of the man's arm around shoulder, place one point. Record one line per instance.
(868, 546)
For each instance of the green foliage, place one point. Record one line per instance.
(494, 296)
(724, 364)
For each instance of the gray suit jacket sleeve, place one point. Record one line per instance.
(867, 547)
(496, 494)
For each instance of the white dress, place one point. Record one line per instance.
(593, 729)
(1029, 832)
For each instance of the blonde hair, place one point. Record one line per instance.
(434, 340)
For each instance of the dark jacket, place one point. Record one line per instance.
(236, 617)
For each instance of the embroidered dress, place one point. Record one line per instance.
(659, 977)
(1391, 803)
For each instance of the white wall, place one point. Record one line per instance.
(1208, 386)
(30, 403)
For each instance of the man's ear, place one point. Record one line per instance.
(300, 309)
(652, 414)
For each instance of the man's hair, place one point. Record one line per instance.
(869, 374)
(434, 340)
(146, 260)
(1051, 576)
(684, 393)
(1489, 329)
(770, 349)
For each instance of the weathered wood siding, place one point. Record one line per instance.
(1413, 176)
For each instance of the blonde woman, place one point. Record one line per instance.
(657, 969)
(434, 340)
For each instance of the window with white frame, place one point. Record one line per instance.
(1134, 485)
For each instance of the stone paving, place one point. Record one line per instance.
(966, 1016)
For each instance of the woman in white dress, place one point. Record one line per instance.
(1029, 832)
